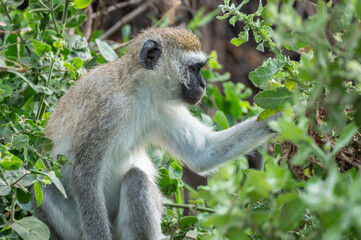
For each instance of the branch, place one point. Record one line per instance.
(190, 207)
(114, 7)
(126, 19)
(5, 68)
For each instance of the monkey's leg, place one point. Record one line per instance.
(140, 208)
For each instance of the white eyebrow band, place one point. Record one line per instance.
(192, 57)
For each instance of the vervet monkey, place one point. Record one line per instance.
(104, 124)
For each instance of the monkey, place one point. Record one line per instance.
(104, 123)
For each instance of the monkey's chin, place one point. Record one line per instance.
(192, 101)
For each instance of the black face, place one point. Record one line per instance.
(195, 89)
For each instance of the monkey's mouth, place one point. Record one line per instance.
(193, 95)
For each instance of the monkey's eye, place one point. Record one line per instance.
(192, 68)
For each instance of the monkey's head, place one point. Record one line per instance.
(170, 62)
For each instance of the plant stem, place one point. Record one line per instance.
(19, 178)
(53, 16)
(190, 207)
(41, 109)
(18, 31)
(2, 172)
(294, 78)
(12, 216)
(65, 15)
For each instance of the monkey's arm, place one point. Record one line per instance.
(202, 149)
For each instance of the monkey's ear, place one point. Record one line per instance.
(150, 53)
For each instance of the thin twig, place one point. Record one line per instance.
(168, 13)
(127, 18)
(11, 61)
(190, 207)
(15, 32)
(2, 172)
(19, 178)
(41, 109)
(313, 160)
(5, 68)
(87, 26)
(18, 185)
(113, 8)
(65, 15)
(190, 237)
(121, 45)
(12, 216)
(53, 16)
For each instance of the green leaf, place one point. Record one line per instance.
(266, 71)
(213, 60)
(341, 17)
(13, 51)
(40, 47)
(260, 47)
(20, 141)
(242, 38)
(14, 3)
(221, 119)
(175, 170)
(187, 223)
(31, 84)
(38, 192)
(345, 137)
(291, 132)
(76, 21)
(208, 17)
(126, 31)
(358, 8)
(22, 197)
(266, 114)
(278, 150)
(10, 165)
(13, 175)
(40, 164)
(236, 234)
(30, 228)
(54, 179)
(68, 66)
(233, 20)
(77, 63)
(4, 188)
(5, 91)
(291, 214)
(165, 183)
(273, 99)
(303, 154)
(106, 51)
(81, 3)
(43, 144)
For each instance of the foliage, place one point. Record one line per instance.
(37, 65)
(309, 193)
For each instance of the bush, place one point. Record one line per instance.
(310, 186)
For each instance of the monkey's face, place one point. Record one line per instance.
(193, 89)
(173, 74)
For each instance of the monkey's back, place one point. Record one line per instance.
(86, 109)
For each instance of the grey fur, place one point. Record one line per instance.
(142, 201)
